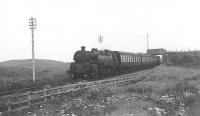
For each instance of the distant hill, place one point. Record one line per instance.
(21, 69)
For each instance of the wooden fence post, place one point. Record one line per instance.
(9, 105)
(45, 94)
(29, 98)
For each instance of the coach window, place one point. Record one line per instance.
(122, 58)
(128, 58)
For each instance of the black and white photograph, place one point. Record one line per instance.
(100, 58)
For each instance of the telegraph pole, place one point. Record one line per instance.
(100, 39)
(32, 24)
(147, 41)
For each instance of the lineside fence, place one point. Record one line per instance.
(25, 100)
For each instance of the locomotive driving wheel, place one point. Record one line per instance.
(93, 74)
(75, 76)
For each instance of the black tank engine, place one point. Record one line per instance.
(96, 63)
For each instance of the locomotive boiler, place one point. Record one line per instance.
(96, 63)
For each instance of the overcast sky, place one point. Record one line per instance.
(65, 25)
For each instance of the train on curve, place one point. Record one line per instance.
(94, 64)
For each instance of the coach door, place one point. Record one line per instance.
(116, 58)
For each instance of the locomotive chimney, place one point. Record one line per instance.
(82, 48)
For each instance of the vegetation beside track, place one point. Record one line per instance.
(17, 74)
(168, 91)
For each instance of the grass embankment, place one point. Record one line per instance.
(18, 73)
(168, 91)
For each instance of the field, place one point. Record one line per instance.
(19, 72)
(167, 91)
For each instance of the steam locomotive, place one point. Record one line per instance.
(96, 63)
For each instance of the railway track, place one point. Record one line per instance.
(25, 100)
(36, 88)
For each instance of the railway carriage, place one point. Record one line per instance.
(96, 63)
